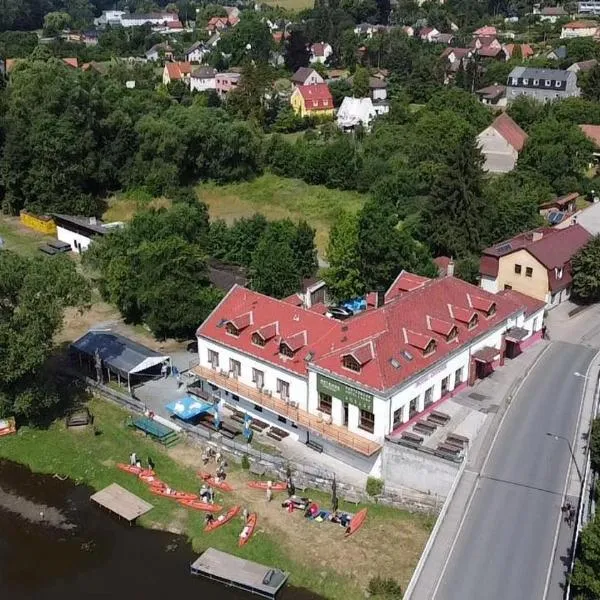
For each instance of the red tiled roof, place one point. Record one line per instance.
(392, 331)
(489, 51)
(242, 321)
(532, 305)
(439, 326)
(479, 303)
(526, 50)
(558, 249)
(488, 265)
(318, 49)
(510, 131)
(72, 62)
(318, 93)
(592, 132)
(580, 25)
(177, 70)
(296, 341)
(268, 331)
(405, 282)
(174, 25)
(486, 30)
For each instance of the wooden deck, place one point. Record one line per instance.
(240, 573)
(332, 432)
(121, 502)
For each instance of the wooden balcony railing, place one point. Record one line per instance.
(333, 432)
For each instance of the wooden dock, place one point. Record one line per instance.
(239, 573)
(121, 502)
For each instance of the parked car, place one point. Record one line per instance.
(339, 312)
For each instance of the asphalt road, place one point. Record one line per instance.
(504, 548)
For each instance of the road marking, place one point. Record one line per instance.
(475, 487)
(567, 479)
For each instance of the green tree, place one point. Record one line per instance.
(586, 272)
(296, 50)
(273, 271)
(305, 252)
(33, 297)
(247, 101)
(250, 39)
(595, 445)
(590, 84)
(343, 276)
(360, 83)
(339, 90)
(454, 222)
(585, 580)
(55, 22)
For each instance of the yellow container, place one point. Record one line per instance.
(42, 223)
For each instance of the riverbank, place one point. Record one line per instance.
(318, 556)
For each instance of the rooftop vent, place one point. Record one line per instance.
(407, 355)
(395, 363)
(222, 322)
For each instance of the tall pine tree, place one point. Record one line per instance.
(297, 53)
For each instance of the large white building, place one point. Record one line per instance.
(79, 232)
(125, 19)
(350, 383)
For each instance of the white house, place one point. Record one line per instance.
(500, 144)
(159, 50)
(125, 19)
(320, 52)
(354, 112)
(551, 14)
(196, 52)
(350, 383)
(79, 232)
(579, 29)
(203, 79)
(306, 76)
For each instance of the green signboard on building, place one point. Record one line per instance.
(345, 393)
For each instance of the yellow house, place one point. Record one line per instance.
(312, 100)
(536, 263)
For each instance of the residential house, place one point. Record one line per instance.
(217, 24)
(536, 263)
(124, 19)
(176, 71)
(71, 62)
(196, 52)
(159, 51)
(455, 56)
(491, 52)
(559, 208)
(559, 53)
(90, 38)
(369, 30)
(79, 232)
(492, 95)
(408, 30)
(501, 143)
(354, 112)
(444, 38)
(306, 76)
(583, 66)
(592, 132)
(226, 82)
(312, 100)
(589, 7)
(100, 68)
(320, 52)
(346, 385)
(575, 29)
(524, 51)
(541, 84)
(172, 27)
(551, 14)
(485, 42)
(428, 34)
(203, 79)
(378, 94)
(486, 31)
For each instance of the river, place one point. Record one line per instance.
(55, 544)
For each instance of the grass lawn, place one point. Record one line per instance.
(317, 554)
(21, 239)
(291, 4)
(278, 198)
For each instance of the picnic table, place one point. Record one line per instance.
(157, 431)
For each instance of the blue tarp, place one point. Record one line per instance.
(189, 407)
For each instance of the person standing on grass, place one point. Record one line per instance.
(150, 463)
(269, 491)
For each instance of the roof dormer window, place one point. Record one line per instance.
(349, 362)
(258, 340)
(430, 348)
(491, 310)
(473, 322)
(557, 84)
(231, 329)
(525, 81)
(453, 335)
(285, 350)
(547, 83)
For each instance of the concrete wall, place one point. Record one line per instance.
(535, 286)
(78, 242)
(406, 467)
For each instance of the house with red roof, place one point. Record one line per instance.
(575, 29)
(352, 382)
(176, 71)
(536, 263)
(312, 100)
(320, 52)
(487, 30)
(500, 144)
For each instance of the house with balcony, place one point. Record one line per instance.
(348, 384)
(544, 85)
(536, 263)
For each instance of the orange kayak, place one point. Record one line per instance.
(248, 530)
(278, 486)
(132, 469)
(169, 493)
(149, 477)
(222, 519)
(212, 481)
(357, 522)
(199, 505)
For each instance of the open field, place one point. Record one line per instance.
(21, 239)
(280, 198)
(291, 4)
(317, 554)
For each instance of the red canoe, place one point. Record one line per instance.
(149, 477)
(211, 480)
(278, 486)
(248, 530)
(130, 469)
(222, 519)
(357, 522)
(168, 493)
(200, 505)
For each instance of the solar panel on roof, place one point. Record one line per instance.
(504, 248)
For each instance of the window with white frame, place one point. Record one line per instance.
(445, 385)
(547, 83)
(213, 358)
(458, 377)
(258, 378)
(397, 418)
(367, 421)
(557, 84)
(428, 396)
(235, 367)
(283, 389)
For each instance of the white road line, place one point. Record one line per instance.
(567, 479)
(474, 490)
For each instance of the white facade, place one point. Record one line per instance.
(354, 112)
(202, 84)
(196, 55)
(79, 243)
(379, 93)
(327, 52)
(445, 376)
(500, 156)
(569, 32)
(125, 19)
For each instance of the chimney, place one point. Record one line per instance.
(536, 236)
(379, 298)
(93, 221)
(450, 269)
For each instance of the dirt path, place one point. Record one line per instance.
(395, 539)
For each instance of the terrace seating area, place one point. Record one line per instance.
(302, 418)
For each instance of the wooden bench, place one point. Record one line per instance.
(315, 446)
(258, 425)
(412, 437)
(438, 417)
(235, 417)
(454, 444)
(449, 449)
(280, 432)
(424, 427)
(455, 437)
(274, 435)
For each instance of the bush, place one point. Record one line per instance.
(385, 588)
(374, 486)
(245, 462)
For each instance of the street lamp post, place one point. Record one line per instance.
(560, 437)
